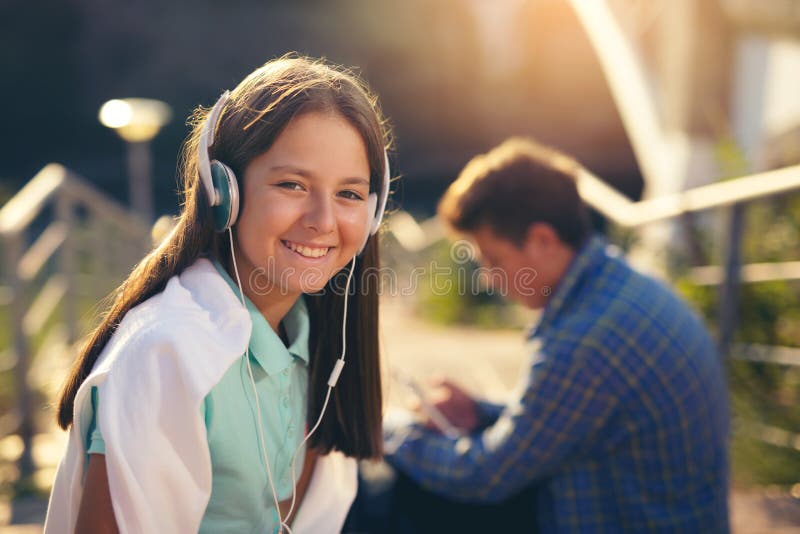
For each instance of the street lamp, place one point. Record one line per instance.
(137, 121)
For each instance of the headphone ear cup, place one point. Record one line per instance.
(225, 213)
(372, 204)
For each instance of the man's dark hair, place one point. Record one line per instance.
(513, 186)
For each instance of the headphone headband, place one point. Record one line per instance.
(206, 142)
(383, 195)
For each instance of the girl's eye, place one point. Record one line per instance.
(351, 195)
(292, 186)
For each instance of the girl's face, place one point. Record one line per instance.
(305, 207)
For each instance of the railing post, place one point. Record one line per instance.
(66, 214)
(21, 347)
(729, 290)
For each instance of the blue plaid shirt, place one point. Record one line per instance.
(622, 424)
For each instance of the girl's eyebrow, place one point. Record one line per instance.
(356, 180)
(292, 169)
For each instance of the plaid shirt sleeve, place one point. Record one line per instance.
(568, 400)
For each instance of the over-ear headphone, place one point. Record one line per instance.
(222, 187)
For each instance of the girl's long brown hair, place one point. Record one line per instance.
(258, 110)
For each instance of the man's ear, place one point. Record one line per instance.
(540, 239)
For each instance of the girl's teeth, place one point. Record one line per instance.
(308, 252)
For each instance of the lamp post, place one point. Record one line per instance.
(137, 121)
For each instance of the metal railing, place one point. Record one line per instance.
(662, 153)
(61, 240)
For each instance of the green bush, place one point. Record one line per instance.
(450, 295)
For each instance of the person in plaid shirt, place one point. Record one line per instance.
(622, 424)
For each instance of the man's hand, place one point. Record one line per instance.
(454, 403)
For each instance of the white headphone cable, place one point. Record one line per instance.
(255, 395)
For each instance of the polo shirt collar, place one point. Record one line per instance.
(265, 344)
(589, 255)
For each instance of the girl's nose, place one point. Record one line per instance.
(319, 214)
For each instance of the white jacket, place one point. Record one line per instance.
(165, 356)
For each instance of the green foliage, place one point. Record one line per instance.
(768, 314)
(452, 294)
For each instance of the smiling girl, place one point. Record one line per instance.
(204, 400)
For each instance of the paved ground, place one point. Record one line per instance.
(483, 361)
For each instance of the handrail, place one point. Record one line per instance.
(25, 205)
(711, 275)
(53, 179)
(615, 206)
(45, 246)
(772, 435)
(624, 212)
(755, 352)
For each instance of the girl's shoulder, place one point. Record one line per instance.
(195, 320)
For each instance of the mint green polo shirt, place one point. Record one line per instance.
(241, 497)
